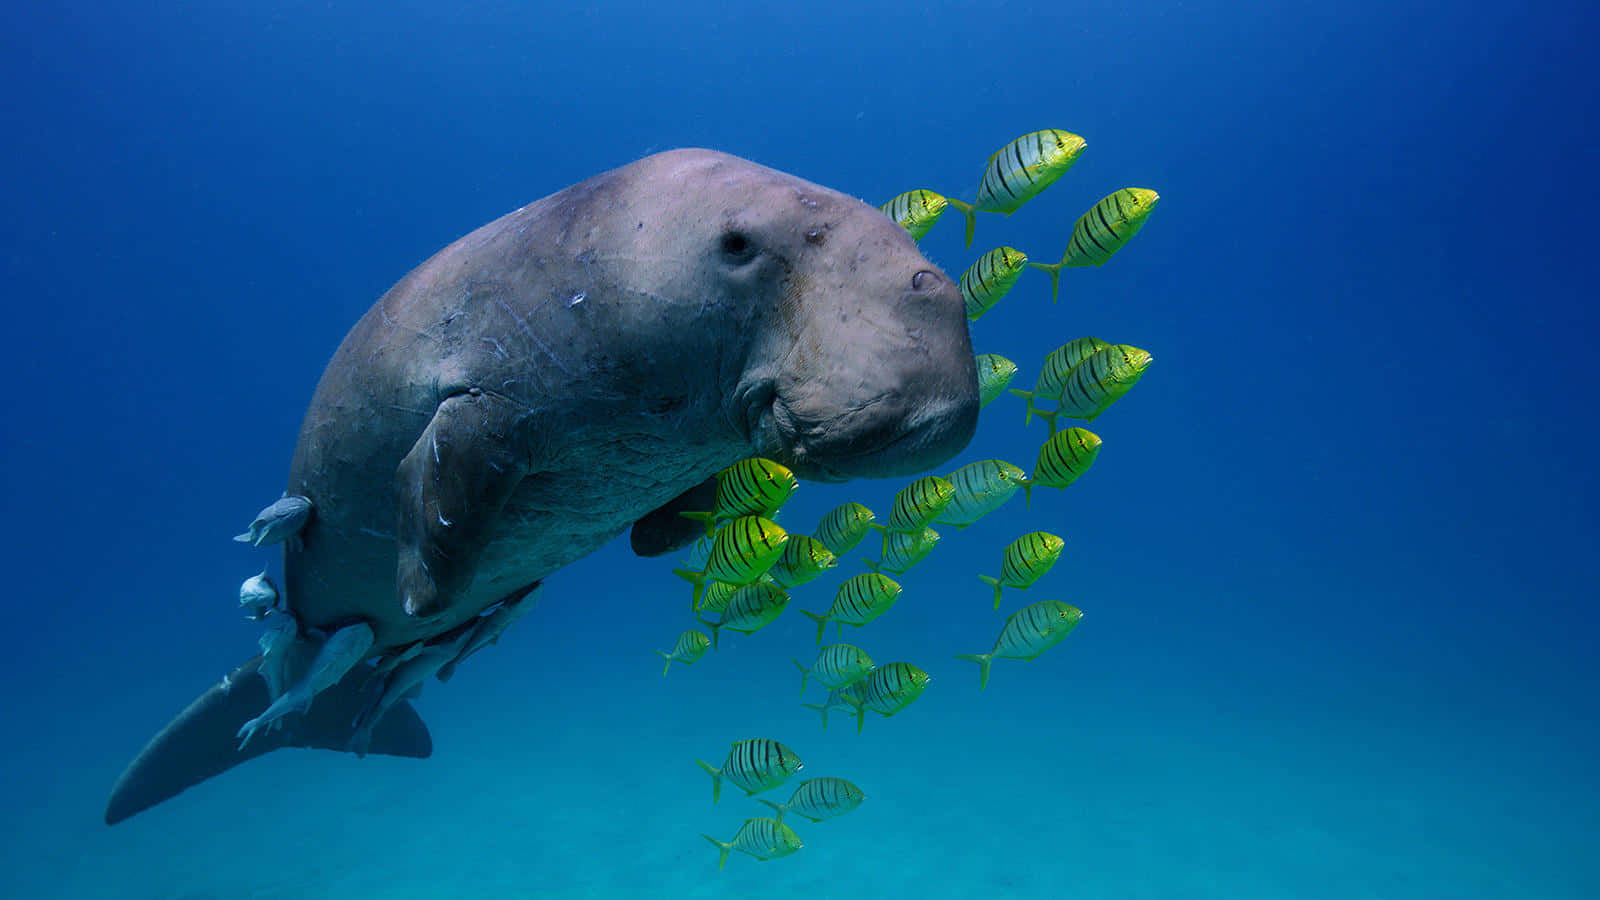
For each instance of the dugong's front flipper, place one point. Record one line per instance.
(663, 530)
(339, 654)
(450, 489)
(201, 741)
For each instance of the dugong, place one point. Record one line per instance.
(585, 363)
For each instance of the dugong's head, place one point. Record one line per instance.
(856, 357)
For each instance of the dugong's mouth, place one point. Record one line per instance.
(879, 439)
(776, 434)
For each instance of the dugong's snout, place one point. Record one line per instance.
(899, 396)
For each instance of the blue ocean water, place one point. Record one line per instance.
(1336, 559)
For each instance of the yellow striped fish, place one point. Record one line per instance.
(1029, 632)
(848, 697)
(749, 487)
(819, 798)
(762, 838)
(1098, 382)
(893, 687)
(1019, 171)
(1102, 231)
(916, 211)
(902, 551)
(886, 691)
(843, 527)
(1056, 369)
(756, 765)
(858, 601)
(803, 559)
(917, 504)
(1067, 455)
(994, 376)
(743, 550)
(713, 600)
(837, 665)
(750, 609)
(1025, 561)
(690, 647)
(981, 488)
(989, 279)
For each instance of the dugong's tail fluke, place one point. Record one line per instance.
(201, 741)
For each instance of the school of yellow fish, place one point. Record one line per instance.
(748, 563)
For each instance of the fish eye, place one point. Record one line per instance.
(737, 247)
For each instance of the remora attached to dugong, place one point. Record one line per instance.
(582, 364)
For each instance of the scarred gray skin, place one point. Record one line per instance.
(534, 388)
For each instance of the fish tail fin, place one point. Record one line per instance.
(668, 658)
(822, 623)
(1027, 494)
(698, 516)
(722, 848)
(983, 660)
(968, 211)
(1055, 277)
(1027, 397)
(821, 708)
(716, 778)
(778, 808)
(698, 579)
(996, 582)
(874, 565)
(805, 673)
(1049, 417)
(716, 630)
(879, 528)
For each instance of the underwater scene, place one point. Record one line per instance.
(944, 450)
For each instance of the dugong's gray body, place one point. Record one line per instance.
(559, 374)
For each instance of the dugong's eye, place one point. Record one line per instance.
(737, 248)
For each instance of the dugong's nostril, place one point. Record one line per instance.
(924, 281)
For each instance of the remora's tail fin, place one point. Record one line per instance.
(201, 741)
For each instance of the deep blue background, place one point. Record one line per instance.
(1355, 496)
